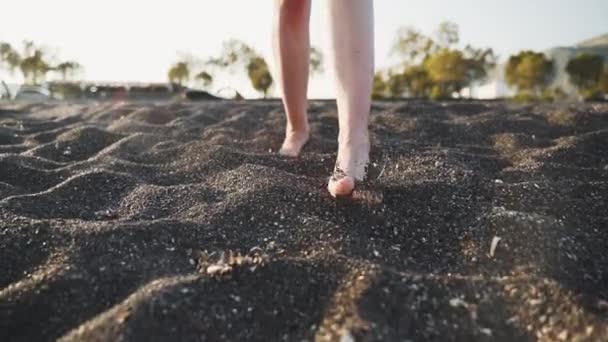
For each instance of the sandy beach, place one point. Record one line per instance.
(179, 222)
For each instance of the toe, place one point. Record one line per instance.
(341, 187)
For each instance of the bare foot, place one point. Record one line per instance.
(294, 141)
(351, 166)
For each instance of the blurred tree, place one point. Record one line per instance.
(447, 70)
(205, 79)
(316, 60)
(434, 66)
(447, 35)
(438, 93)
(603, 83)
(413, 81)
(67, 69)
(417, 81)
(412, 46)
(33, 67)
(529, 71)
(33, 62)
(179, 73)
(585, 72)
(9, 57)
(558, 94)
(478, 63)
(259, 75)
(236, 54)
(395, 84)
(379, 86)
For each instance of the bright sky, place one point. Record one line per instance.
(137, 40)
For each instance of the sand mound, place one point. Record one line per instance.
(177, 221)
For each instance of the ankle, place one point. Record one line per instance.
(299, 130)
(354, 139)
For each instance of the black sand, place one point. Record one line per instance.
(178, 222)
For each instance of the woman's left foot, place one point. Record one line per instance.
(294, 142)
(351, 166)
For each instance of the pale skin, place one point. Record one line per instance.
(352, 59)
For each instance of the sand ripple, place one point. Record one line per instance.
(177, 221)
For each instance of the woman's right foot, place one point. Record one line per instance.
(351, 166)
(294, 142)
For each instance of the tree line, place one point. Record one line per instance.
(532, 73)
(234, 56)
(432, 67)
(34, 63)
(428, 66)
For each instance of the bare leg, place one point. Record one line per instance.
(352, 36)
(292, 54)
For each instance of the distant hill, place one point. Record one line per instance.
(601, 41)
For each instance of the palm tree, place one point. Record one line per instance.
(9, 57)
(67, 69)
(33, 67)
(33, 62)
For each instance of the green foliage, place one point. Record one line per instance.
(32, 62)
(34, 68)
(395, 85)
(414, 80)
(417, 81)
(529, 71)
(379, 86)
(65, 91)
(412, 46)
(205, 79)
(9, 57)
(603, 83)
(437, 93)
(447, 70)
(547, 95)
(585, 72)
(477, 63)
(67, 69)
(593, 94)
(558, 94)
(259, 75)
(525, 97)
(236, 54)
(433, 66)
(179, 73)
